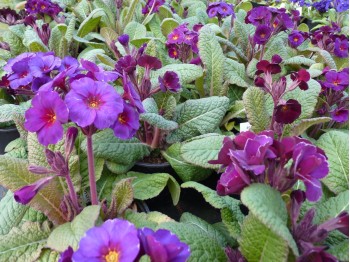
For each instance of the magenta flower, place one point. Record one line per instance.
(262, 34)
(310, 165)
(341, 48)
(93, 102)
(46, 116)
(25, 194)
(337, 81)
(340, 115)
(114, 240)
(232, 181)
(163, 246)
(295, 39)
(127, 123)
(287, 112)
(169, 82)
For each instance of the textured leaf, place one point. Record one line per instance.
(299, 60)
(14, 174)
(125, 152)
(199, 150)
(234, 73)
(69, 234)
(11, 213)
(304, 124)
(254, 103)
(90, 22)
(185, 171)
(135, 30)
(213, 59)
(197, 117)
(24, 244)
(267, 205)
(336, 146)
(259, 243)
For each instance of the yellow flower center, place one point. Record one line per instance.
(112, 256)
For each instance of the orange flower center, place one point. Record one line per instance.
(112, 256)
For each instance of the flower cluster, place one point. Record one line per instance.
(259, 158)
(119, 241)
(181, 41)
(42, 7)
(220, 9)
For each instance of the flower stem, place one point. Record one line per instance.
(91, 165)
(72, 193)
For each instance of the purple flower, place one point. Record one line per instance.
(25, 194)
(259, 15)
(262, 34)
(162, 246)
(152, 6)
(169, 82)
(340, 115)
(287, 112)
(66, 256)
(232, 181)
(127, 122)
(97, 73)
(114, 240)
(310, 165)
(253, 156)
(295, 39)
(337, 81)
(93, 102)
(341, 48)
(46, 116)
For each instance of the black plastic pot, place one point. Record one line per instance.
(6, 136)
(190, 200)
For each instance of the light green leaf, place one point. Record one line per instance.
(336, 146)
(197, 117)
(267, 205)
(304, 124)
(24, 244)
(259, 243)
(69, 234)
(108, 147)
(255, 107)
(90, 22)
(213, 59)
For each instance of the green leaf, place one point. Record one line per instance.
(135, 30)
(69, 234)
(199, 150)
(202, 245)
(185, 171)
(90, 22)
(24, 244)
(267, 205)
(299, 60)
(14, 174)
(336, 146)
(11, 213)
(304, 124)
(147, 186)
(255, 107)
(107, 146)
(234, 73)
(213, 59)
(197, 117)
(259, 243)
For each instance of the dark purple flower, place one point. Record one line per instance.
(340, 115)
(295, 39)
(152, 6)
(149, 62)
(127, 123)
(163, 245)
(126, 64)
(258, 16)
(341, 48)
(25, 194)
(114, 240)
(177, 36)
(124, 39)
(337, 81)
(66, 256)
(287, 112)
(232, 181)
(97, 73)
(310, 166)
(169, 82)
(93, 102)
(262, 34)
(11, 17)
(46, 116)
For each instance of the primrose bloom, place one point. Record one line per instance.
(169, 82)
(93, 102)
(114, 241)
(162, 246)
(46, 116)
(127, 122)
